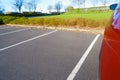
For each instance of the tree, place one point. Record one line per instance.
(79, 2)
(58, 6)
(94, 2)
(104, 2)
(70, 9)
(18, 4)
(2, 9)
(50, 8)
(34, 2)
(29, 6)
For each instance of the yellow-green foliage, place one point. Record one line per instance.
(54, 21)
(21, 20)
(79, 22)
(7, 19)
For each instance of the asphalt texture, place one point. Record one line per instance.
(51, 56)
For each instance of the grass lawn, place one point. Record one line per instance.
(93, 16)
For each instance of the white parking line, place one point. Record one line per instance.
(2, 49)
(79, 64)
(13, 31)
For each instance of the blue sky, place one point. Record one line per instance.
(43, 4)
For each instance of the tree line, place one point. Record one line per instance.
(31, 5)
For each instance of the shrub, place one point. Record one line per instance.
(47, 22)
(1, 21)
(52, 21)
(22, 20)
(36, 21)
(62, 22)
(92, 23)
(55, 21)
(7, 19)
(81, 22)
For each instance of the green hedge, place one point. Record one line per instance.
(29, 14)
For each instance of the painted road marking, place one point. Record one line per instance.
(13, 32)
(79, 64)
(2, 49)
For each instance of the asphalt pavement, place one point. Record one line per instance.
(40, 54)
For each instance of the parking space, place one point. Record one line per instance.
(16, 37)
(38, 54)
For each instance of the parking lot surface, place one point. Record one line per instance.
(40, 54)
